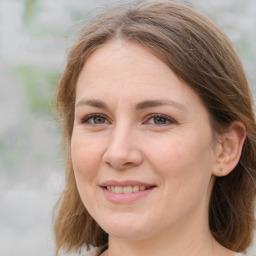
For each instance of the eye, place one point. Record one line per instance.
(94, 119)
(159, 119)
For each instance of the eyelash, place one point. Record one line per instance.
(91, 116)
(165, 118)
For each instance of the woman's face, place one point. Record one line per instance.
(141, 146)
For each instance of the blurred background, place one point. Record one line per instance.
(34, 38)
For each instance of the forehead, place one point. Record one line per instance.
(130, 71)
(123, 60)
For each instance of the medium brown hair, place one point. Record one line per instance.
(202, 56)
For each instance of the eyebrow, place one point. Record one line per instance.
(155, 103)
(93, 103)
(139, 106)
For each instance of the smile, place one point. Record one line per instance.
(126, 192)
(126, 189)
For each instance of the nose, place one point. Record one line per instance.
(123, 150)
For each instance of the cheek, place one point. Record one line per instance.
(168, 156)
(85, 157)
(183, 161)
(185, 171)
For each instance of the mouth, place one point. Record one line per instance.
(126, 189)
(125, 192)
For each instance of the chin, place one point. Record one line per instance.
(125, 229)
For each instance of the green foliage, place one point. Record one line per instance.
(39, 85)
(30, 10)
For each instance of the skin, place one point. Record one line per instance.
(174, 152)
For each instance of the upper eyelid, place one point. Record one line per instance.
(162, 115)
(149, 116)
(88, 117)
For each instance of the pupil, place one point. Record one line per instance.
(160, 120)
(98, 120)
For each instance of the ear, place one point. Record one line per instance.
(229, 149)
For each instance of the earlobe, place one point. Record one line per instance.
(230, 149)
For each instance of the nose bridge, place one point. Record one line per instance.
(122, 149)
(121, 135)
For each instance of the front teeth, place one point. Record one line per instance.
(125, 190)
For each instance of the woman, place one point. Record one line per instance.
(159, 134)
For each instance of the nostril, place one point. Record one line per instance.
(120, 166)
(128, 163)
(122, 159)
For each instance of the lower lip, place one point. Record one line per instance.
(126, 198)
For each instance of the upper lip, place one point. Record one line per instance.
(125, 183)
